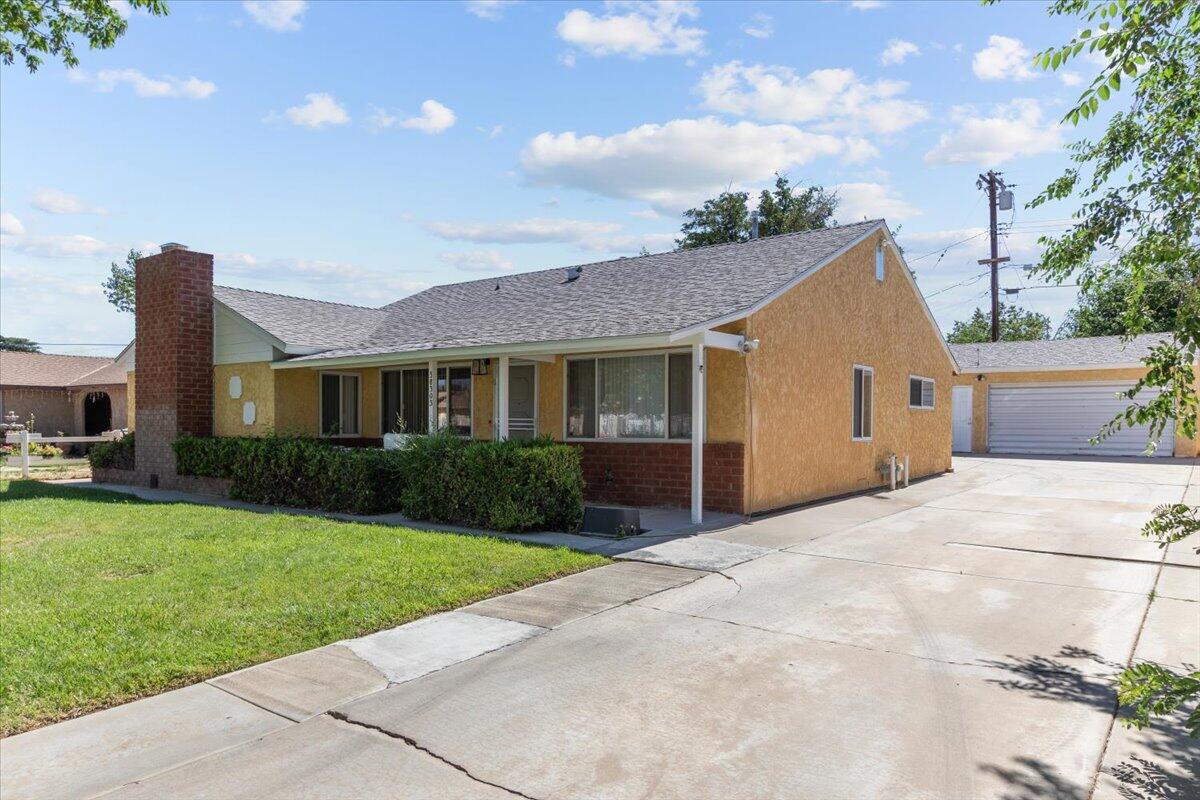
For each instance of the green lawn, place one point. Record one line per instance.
(104, 598)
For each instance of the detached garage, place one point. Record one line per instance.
(1050, 397)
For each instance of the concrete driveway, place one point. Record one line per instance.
(955, 639)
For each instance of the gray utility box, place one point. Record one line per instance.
(611, 520)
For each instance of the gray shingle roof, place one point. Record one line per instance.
(301, 322)
(1095, 352)
(653, 294)
(49, 369)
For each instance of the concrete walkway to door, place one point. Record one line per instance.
(956, 639)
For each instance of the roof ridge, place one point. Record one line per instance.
(55, 355)
(634, 258)
(296, 297)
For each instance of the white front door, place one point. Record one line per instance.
(962, 422)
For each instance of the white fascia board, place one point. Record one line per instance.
(1058, 368)
(527, 350)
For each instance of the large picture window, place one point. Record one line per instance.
(630, 397)
(339, 404)
(864, 403)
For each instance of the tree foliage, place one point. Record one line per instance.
(1016, 325)
(786, 209)
(120, 287)
(31, 29)
(1102, 308)
(18, 344)
(1137, 185)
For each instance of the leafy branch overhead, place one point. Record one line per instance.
(32, 29)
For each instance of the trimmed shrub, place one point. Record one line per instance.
(510, 486)
(117, 454)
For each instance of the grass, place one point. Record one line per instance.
(105, 598)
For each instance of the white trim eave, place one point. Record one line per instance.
(1060, 368)
(519, 349)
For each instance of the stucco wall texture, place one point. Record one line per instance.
(800, 446)
(130, 400)
(258, 387)
(1184, 447)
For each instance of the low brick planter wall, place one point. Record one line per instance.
(125, 477)
(212, 487)
(660, 474)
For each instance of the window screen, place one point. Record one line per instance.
(330, 403)
(679, 367)
(632, 397)
(454, 399)
(406, 401)
(920, 393)
(863, 400)
(581, 398)
(349, 409)
(879, 263)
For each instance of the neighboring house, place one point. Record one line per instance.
(77, 395)
(739, 377)
(1051, 396)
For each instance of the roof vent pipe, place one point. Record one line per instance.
(573, 273)
(753, 224)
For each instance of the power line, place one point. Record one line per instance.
(946, 248)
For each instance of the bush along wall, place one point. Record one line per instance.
(509, 486)
(117, 454)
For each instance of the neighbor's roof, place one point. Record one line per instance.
(1093, 352)
(645, 295)
(301, 322)
(49, 370)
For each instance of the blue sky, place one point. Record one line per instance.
(360, 152)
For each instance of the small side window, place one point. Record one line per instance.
(879, 262)
(863, 404)
(920, 392)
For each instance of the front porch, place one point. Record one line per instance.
(639, 416)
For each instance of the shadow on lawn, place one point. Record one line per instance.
(1155, 763)
(36, 490)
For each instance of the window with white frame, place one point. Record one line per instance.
(879, 262)
(630, 397)
(339, 401)
(920, 392)
(405, 398)
(864, 403)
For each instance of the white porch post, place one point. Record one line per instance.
(24, 453)
(502, 398)
(698, 427)
(432, 397)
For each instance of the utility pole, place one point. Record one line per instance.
(994, 185)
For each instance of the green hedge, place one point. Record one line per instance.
(117, 454)
(497, 485)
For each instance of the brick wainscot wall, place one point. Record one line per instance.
(660, 474)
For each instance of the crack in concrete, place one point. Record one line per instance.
(1065, 555)
(413, 743)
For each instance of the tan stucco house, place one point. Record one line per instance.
(740, 377)
(74, 395)
(1052, 396)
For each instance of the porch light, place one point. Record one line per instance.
(479, 366)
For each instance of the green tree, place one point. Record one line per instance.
(35, 28)
(1137, 189)
(1102, 310)
(1016, 325)
(726, 217)
(120, 287)
(18, 344)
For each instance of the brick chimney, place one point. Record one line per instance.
(173, 358)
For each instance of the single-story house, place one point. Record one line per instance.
(739, 377)
(74, 395)
(1052, 396)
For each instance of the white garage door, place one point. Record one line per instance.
(1060, 418)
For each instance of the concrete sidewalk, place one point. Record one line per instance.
(956, 639)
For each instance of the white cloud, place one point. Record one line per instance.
(489, 9)
(56, 201)
(567, 60)
(645, 213)
(629, 243)
(106, 80)
(321, 109)
(1070, 78)
(477, 261)
(836, 97)
(315, 277)
(68, 246)
(434, 118)
(277, 15)
(26, 278)
(897, 51)
(760, 26)
(1013, 130)
(9, 224)
(859, 201)
(866, 5)
(536, 230)
(122, 7)
(1004, 58)
(673, 165)
(491, 132)
(645, 29)
(859, 150)
(379, 119)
